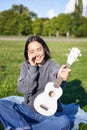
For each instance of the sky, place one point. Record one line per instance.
(44, 8)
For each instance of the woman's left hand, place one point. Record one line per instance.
(64, 72)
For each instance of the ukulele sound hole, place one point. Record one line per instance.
(51, 94)
(44, 107)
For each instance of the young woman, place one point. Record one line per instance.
(35, 73)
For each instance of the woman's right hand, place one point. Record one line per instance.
(32, 60)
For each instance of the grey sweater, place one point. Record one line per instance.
(33, 79)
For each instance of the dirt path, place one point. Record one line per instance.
(47, 39)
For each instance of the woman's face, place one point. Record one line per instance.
(36, 53)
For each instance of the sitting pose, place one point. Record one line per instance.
(36, 71)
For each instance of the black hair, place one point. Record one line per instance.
(41, 41)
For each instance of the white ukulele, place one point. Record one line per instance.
(46, 102)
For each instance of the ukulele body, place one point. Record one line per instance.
(46, 102)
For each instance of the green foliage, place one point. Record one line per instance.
(16, 21)
(20, 9)
(37, 26)
(46, 27)
(25, 26)
(65, 25)
(20, 21)
(78, 7)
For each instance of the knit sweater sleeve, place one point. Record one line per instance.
(27, 78)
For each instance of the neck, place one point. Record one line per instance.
(40, 64)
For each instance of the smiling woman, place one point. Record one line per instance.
(35, 73)
(35, 53)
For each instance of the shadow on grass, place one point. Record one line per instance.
(75, 93)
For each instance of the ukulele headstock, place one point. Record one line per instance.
(73, 55)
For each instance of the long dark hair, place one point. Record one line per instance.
(41, 41)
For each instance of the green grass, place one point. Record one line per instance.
(11, 57)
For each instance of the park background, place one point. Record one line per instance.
(60, 33)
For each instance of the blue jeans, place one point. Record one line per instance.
(16, 116)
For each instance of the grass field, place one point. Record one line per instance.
(11, 57)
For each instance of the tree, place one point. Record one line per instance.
(37, 26)
(78, 7)
(81, 31)
(25, 25)
(16, 20)
(20, 9)
(46, 27)
(8, 19)
(76, 17)
(20, 21)
(63, 24)
(32, 15)
(2, 22)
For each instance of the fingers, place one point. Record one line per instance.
(64, 72)
(32, 60)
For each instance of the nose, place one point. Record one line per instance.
(35, 54)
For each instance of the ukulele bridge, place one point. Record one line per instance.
(44, 107)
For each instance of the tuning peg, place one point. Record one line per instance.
(66, 54)
(77, 60)
(80, 55)
(69, 49)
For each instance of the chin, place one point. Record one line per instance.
(39, 62)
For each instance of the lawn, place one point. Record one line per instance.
(11, 57)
